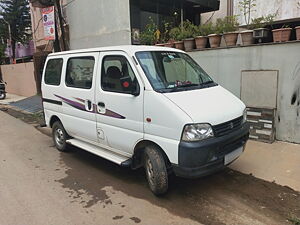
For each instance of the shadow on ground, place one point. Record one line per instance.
(205, 200)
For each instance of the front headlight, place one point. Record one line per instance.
(245, 116)
(197, 132)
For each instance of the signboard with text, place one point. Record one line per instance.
(49, 23)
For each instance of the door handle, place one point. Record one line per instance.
(88, 105)
(101, 104)
(101, 108)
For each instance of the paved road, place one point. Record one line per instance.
(39, 185)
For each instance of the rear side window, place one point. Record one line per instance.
(53, 72)
(80, 72)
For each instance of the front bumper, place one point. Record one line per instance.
(198, 159)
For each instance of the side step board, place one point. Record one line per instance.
(106, 154)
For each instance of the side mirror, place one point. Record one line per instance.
(129, 86)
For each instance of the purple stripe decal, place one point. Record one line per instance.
(76, 105)
(81, 107)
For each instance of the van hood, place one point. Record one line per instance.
(214, 105)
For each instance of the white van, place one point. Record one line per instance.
(139, 106)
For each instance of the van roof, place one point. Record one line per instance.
(130, 49)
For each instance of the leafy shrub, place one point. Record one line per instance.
(205, 29)
(227, 24)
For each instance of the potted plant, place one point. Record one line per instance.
(176, 36)
(216, 36)
(247, 7)
(201, 35)
(297, 33)
(282, 34)
(260, 32)
(189, 33)
(230, 27)
(184, 35)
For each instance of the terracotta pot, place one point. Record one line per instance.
(231, 38)
(247, 37)
(189, 44)
(282, 34)
(201, 42)
(179, 45)
(214, 40)
(169, 45)
(160, 45)
(297, 33)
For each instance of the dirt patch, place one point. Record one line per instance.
(228, 197)
(35, 119)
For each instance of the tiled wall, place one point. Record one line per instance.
(262, 126)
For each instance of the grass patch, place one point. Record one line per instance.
(294, 220)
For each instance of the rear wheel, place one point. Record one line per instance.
(59, 136)
(2, 95)
(156, 170)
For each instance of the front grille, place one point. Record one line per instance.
(227, 127)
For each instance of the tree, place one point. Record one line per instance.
(17, 14)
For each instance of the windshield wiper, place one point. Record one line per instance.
(183, 86)
(208, 82)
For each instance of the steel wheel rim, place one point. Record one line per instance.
(150, 173)
(1, 95)
(59, 137)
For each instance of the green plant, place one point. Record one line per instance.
(165, 32)
(205, 29)
(269, 19)
(227, 24)
(262, 21)
(149, 35)
(294, 220)
(285, 26)
(183, 31)
(247, 7)
(257, 23)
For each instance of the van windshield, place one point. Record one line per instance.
(173, 71)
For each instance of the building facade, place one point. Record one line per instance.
(96, 23)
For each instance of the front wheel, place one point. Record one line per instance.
(2, 95)
(156, 170)
(59, 136)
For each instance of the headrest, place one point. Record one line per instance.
(114, 72)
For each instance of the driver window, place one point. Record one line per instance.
(117, 75)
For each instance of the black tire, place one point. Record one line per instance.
(156, 170)
(2, 96)
(60, 137)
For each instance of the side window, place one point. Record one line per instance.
(117, 75)
(80, 72)
(53, 72)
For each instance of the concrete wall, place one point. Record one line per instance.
(286, 9)
(20, 79)
(102, 23)
(226, 65)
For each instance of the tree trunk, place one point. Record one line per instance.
(13, 48)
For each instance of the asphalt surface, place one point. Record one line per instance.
(39, 185)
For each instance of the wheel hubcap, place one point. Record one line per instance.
(59, 137)
(150, 172)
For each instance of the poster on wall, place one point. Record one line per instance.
(49, 23)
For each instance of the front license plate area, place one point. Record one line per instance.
(233, 155)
